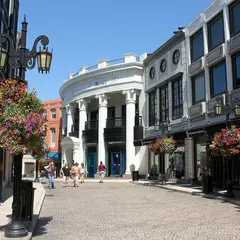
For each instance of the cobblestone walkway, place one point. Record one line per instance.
(125, 211)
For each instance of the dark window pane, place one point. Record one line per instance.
(163, 103)
(235, 18)
(177, 103)
(236, 71)
(152, 108)
(197, 46)
(198, 89)
(218, 79)
(215, 32)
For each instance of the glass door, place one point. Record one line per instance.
(115, 163)
(92, 164)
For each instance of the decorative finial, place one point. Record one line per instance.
(25, 18)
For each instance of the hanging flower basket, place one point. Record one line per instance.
(226, 142)
(163, 145)
(22, 121)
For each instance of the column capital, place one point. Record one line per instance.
(82, 104)
(102, 100)
(68, 109)
(130, 95)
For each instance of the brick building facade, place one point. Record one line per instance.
(53, 112)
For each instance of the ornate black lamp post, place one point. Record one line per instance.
(22, 59)
(228, 109)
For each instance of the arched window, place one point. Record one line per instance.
(53, 144)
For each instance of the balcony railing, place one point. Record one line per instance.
(91, 125)
(138, 121)
(117, 122)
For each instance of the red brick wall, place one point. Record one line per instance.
(54, 123)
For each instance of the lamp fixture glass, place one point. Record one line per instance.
(44, 59)
(218, 109)
(3, 57)
(237, 110)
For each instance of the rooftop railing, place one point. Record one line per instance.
(130, 57)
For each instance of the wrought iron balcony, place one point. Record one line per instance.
(90, 133)
(117, 122)
(115, 129)
(91, 125)
(74, 130)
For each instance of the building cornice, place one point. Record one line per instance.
(84, 78)
(179, 36)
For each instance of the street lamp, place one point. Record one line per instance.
(22, 59)
(163, 126)
(3, 57)
(228, 109)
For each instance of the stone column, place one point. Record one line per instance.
(228, 57)
(130, 122)
(206, 72)
(64, 119)
(170, 100)
(102, 116)
(189, 158)
(69, 112)
(76, 153)
(82, 105)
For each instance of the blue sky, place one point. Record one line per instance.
(81, 32)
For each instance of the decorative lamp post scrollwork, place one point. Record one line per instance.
(22, 59)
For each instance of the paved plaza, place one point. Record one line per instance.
(127, 211)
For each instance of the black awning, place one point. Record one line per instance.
(179, 136)
(147, 140)
(137, 143)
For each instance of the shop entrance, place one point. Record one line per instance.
(91, 164)
(116, 164)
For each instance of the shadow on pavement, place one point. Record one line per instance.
(41, 226)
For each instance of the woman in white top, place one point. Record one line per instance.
(82, 173)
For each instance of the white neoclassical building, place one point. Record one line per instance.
(103, 107)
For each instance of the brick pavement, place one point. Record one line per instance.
(127, 211)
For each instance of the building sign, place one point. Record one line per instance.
(196, 132)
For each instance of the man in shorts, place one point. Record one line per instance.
(101, 171)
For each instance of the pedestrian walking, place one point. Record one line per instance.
(101, 171)
(51, 169)
(66, 175)
(82, 173)
(75, 174)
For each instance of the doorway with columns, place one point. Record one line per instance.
(70, 149)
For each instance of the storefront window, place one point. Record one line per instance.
(179, 162)
(154, 169)
(201, 156)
